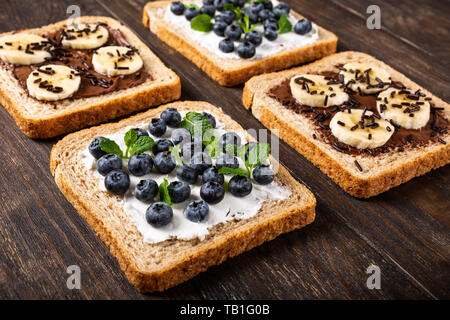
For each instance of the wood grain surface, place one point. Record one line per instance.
(404, 231)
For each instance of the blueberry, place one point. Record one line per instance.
(219, 4)
(159, 214)
(272, 22)
(227, 160)
(303, 26)
(240, 186)
(271, 32)
(117, 182)
(177, 8)
(229, 138)
(210, 118)
(265, 14)
(237, 3)
(208, 2)
(200, 162)
(280, 9)
(256, 6)
(227, 16)
(181, 136)
(268, 5)
(263, 174)
(109, 162)
(162, 145)
(212, 192)
(189, 149)
(253, 16)
(212, 174)
(191, 12)
(233, 31)
(146, 190)
(219, 28)
(210, 10)
(141, 132)
(140, 164)
(187, 173)
(246, 50)
(179, 191)
(94, 148)
(164, 162)
(157, 127)
(171, 117)
(196, 211)
(226, 45)
(253, 37)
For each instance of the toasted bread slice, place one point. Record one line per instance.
(158, 266)
(379, 172)
(39, 119)
(230, 72)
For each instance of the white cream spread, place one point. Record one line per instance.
(229, 208)
(210, 41)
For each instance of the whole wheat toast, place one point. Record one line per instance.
(158, 266)
(377, 173)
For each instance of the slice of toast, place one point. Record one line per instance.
(230, 72)
(158, 266)
(38, 119)
(378, 173)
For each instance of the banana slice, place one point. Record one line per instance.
(316, 91)
(405, 108)
(115, 60)
(365, 77)
(85, 36)
(361, 129)
(53, 82)
(24, 48)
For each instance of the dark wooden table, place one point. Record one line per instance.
(404, 231)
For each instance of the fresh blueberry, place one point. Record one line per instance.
(229, 138)
(265, 14)
(191, 148)
(208, 2)
(177, 8)
(146, 190)
(171, 117)
(140, 164)
(253, 37)
(272, 22)
(271, 32)
(161, 145)
(253, 16)
(159, 214)
(212, 192)
(227, 160)
(200, 162)
(210, 118)
(191, 12)
(196, 211)
(94, 148)
(263, 174)
(117, 182)
(109, 162)
(256, 6)
(157, 127)
(233, 31)
(219, 28)
(246, 50)
(280, 9)
(210, 10)
(303, 26)
(164, 162)
(212, 174)
(179, 191)
(219, 4)
(237, 3)
(227, 16)
(140, 132)
(226, 45)
(181, 136)
(240, 186)
(268, 5)
(187, 173)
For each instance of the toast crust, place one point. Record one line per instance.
(233, 73)
(39, 120)
(226, 240)
(336, 165)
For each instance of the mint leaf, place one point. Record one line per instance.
(141, 145)
(258, 155)
(202, 22)
(229, 6)
(130, 137)
(197, 124)
(110, 146)
(236, 172)
(175, 153)
(164, 192)
(284, 25)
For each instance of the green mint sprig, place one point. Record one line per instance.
(237, 10)
(164, 192)
(256, 156)
(132, 142)
(202, 23)
(245, 25)
(284, 25)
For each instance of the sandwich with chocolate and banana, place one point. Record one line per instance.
(75, 73)
(364, 124)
